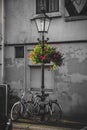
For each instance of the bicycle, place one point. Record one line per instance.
(49, 110)
(24, 108)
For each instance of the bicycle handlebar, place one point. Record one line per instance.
(45, 95)
(36, 94)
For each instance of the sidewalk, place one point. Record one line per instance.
(61, 125)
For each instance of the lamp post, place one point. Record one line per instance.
(42, 22)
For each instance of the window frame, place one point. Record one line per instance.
(51, 14)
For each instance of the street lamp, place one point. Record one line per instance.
(42, 23)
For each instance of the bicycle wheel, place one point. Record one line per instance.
(55, 112)
(15, 111)
(33, 109)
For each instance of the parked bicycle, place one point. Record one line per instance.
(51, 109)
(24, 107)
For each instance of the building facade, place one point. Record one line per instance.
(68, 32)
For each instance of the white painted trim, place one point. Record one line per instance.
(3, 38)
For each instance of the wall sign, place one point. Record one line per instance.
(75, 8)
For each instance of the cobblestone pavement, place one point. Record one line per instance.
(62, 125)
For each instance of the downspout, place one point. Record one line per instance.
(25, 82)
(3, 53)
(3, 40)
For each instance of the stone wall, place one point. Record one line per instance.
(71, 79)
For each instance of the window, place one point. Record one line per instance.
(19, 52)
(35, 78)
(76, 9)
(49, 5)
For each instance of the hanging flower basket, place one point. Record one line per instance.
(48, 55)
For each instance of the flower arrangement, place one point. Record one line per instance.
(46, 55)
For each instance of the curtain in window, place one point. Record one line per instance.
(49, 5)
(40, 4)
(53, 5)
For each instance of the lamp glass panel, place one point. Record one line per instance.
(47, 23)
(40, 24)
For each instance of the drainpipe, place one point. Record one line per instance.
(25, 82)
(3, 52)
(3, 38)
